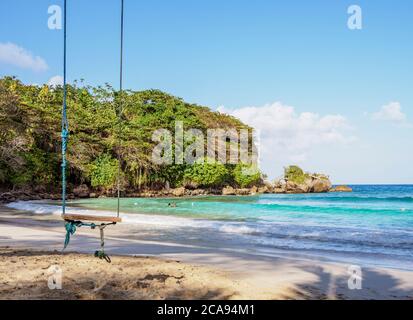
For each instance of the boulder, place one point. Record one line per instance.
(278, 190)
(197, 192)
(254, 190)
(306, 186)
(341, 189)
(81, 191)
(292, 187)
(320, 185)
(280, 184)
(269, 186)
(178, 192)
(228, 191)
(242, 192)
(263, 189)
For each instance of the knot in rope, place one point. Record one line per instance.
(70, 227)
(65, 138)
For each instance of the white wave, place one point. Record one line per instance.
(36, 207)
(160, 221)
(240, 229)
(40, 207)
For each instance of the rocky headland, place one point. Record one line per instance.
(295, 180)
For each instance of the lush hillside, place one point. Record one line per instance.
(30, 122)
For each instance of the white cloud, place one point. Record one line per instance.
(55, 81)
(391, 112)
(15, 55)
(290, 137)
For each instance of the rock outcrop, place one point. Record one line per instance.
(295, 180)
(243, 192)
(313, 185)
(320, 184)
(341, 189)
(228, 191)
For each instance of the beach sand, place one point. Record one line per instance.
(31, 243)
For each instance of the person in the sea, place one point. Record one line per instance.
(172, 205)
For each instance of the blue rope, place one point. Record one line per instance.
(71, 227)
(120, 104)
(65, 124)
(65, 138)
(70, 231)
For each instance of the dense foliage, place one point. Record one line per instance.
(30, 124)
(246, 175)
(103, 172)
(206, 173)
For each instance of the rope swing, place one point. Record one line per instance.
(74, 221)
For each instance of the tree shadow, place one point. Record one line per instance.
(375, 285)
(87, 278)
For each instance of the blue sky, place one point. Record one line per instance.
(345, 94)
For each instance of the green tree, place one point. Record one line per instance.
(103, 172)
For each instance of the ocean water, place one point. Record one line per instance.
(372, 225)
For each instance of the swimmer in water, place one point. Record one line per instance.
(172, 205)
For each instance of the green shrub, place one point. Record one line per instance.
(295, 174)
(246, 175)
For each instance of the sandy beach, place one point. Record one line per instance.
(31, 243)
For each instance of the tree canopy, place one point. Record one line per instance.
(30, 125)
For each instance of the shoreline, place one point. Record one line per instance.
(84, 192)
(248, 276)
(144, 221)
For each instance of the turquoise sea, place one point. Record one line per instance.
(372, 225)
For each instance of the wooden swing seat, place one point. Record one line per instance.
(79, 217)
